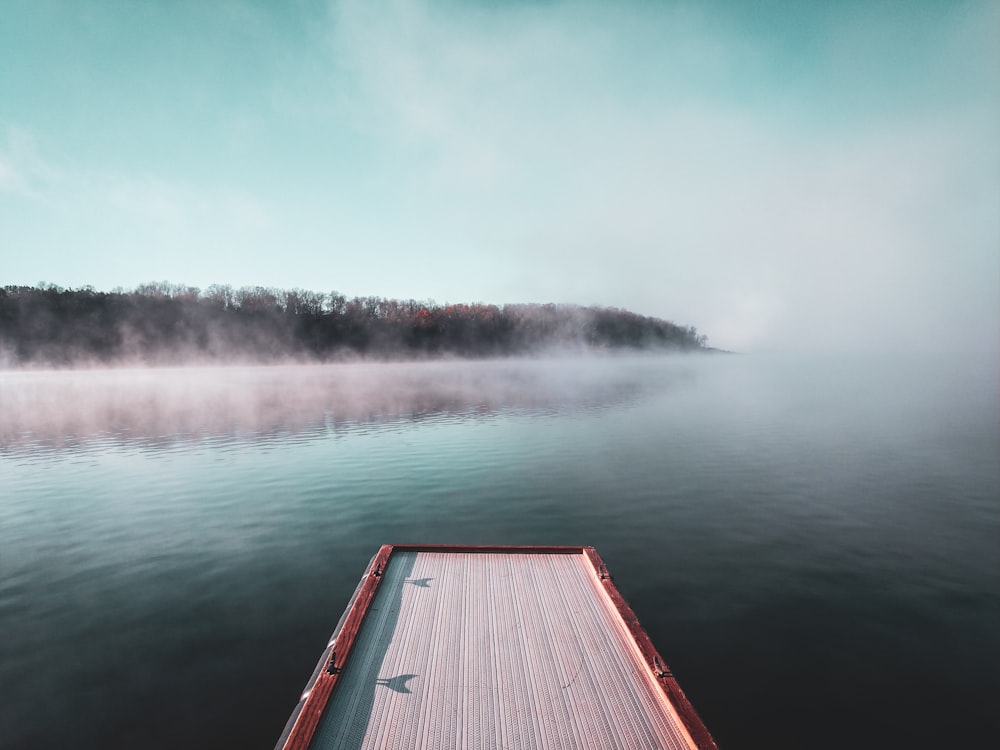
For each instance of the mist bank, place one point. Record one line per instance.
(158, 407)
(168, 324)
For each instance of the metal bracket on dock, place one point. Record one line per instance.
(659, 670)
(331, 668)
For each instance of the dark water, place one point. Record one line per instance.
(813, 545)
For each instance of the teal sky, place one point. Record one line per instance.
(779, 174)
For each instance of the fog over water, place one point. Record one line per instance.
(810, 541)
(149, 406)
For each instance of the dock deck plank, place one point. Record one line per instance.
(496, 650)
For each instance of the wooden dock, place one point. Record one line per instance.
(491, 647)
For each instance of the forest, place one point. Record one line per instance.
(164, 324)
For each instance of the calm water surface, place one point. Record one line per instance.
(811, 544)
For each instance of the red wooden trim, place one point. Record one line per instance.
(308, 719)
(664, 678)
(522, 549)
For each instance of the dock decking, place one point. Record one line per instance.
(503, 647)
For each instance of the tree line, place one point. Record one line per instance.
(163, 323)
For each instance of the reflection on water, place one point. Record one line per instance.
(157, 407)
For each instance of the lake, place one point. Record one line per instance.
(811, 542)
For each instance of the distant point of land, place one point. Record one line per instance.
(167, 324)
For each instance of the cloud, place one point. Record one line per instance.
(177, 206)
(11, 181)
(163, 205)
(79, 225)
(22, 172)
(653, 159)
